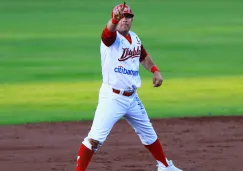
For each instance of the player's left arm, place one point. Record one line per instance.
(148, 63)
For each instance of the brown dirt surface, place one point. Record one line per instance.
(194, 144)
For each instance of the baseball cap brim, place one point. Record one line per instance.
(129, 14)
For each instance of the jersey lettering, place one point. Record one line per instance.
(128, 53)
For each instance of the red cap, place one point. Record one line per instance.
(127, 9)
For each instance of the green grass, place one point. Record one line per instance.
(49, 42)
(77, 100)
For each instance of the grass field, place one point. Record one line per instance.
(49, 57)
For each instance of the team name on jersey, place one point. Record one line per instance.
(130, 53)
(122, 70)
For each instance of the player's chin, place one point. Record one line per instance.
(125, 28)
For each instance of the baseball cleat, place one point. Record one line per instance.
(171, 167)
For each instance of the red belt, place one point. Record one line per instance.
(125, 93)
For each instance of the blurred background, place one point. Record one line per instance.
(50, 62)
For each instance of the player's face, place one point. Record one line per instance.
(125, 23)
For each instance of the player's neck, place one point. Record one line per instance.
(124, 33)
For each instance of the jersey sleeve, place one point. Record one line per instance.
(144, 54)
(108, 37)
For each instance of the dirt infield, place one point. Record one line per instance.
(195, 144)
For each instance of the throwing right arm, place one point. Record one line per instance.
(109, 33)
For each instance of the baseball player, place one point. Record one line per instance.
(121, 53)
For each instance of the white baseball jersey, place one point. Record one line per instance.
(120, 62)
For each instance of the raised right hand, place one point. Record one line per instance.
(118, 12)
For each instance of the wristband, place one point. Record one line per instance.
(154, 68)
(114, 21)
